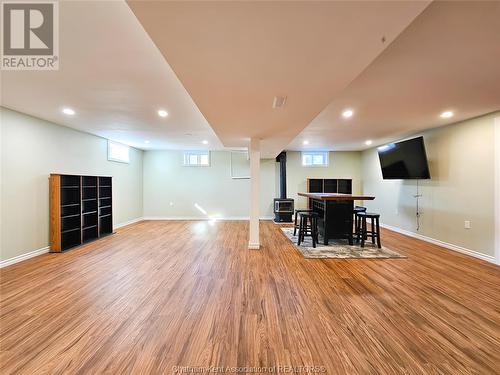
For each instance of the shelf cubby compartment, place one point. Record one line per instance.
(105, 201)
(70, 223)
(105, 225)
(70, 239)
(105, 181)
(89, 181)
(104, 191)
(70, 181)
(330, 186)
(345, 186)
(89, 205)
(106, 210)
(89, 220)
(73, 209)
(89, 192)
(70, 196)
(315, 185)
(90, 233)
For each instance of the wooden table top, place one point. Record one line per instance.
(337, 197)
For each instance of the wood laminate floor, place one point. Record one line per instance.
(162, 294)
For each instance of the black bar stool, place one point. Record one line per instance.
(374, 233)
(308, 226)
(357, 220)
(295, 224)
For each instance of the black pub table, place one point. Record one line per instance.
(335, 213)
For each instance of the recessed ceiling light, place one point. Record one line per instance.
(162, 113)
(146, 141)
(305, 142)
(68, 111)
(368, 142)
(446, 114)
(347, 113)
(205, 142)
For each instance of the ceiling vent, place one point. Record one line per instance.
(279, 101)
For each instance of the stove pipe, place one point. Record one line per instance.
(281, 158)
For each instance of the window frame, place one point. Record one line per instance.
(325, 154)
(115, 159)
(198, 153)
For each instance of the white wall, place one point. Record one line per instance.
(497, 190)
(171, 189)
(341, 165)
(31, 149)
(461, 162)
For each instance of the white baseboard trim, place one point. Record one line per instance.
(196, 218)
(136, 220)
(20, 258)
(463, 250)
(43, 250)
(253, 246)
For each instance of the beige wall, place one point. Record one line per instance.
(341, 165)
(31, 149)
(461, 161)
(497, 189)
(171, 189)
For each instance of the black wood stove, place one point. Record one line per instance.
(283, 206)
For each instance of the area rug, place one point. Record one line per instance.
(340, 249)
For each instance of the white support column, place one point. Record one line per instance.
(254, 151)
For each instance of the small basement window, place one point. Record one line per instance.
(118, 152)
(315, 159)
(197, 158)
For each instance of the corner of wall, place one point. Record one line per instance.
(497, 189)
(458, 133)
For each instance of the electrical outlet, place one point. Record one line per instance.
(467, 224)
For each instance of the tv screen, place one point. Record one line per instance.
(404, 160)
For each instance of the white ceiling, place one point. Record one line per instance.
(115, 79)
(447, 59)
(230, 59)
(234, 57)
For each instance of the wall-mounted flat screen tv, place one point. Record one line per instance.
(404, 160)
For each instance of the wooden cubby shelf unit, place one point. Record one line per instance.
(328, 185)
(81, 210)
